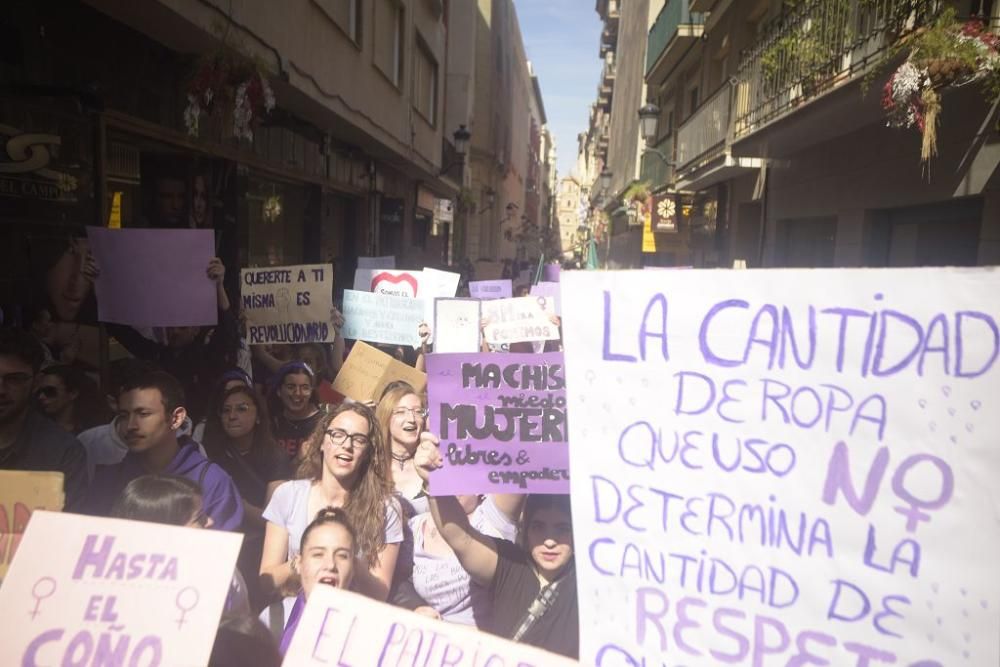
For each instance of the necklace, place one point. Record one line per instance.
(401, 459)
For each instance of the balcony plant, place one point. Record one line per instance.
(947, 53)
(228, 84)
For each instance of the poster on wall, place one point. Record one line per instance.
(796, 467)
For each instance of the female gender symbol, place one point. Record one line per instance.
(183, 596)
(40, 592)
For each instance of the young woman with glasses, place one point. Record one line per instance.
(401, 416)
(343, 465)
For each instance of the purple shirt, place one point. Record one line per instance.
(220, 498)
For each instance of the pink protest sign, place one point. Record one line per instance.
(486, 290)
(154, 277)
(501, 419)
(83, 587)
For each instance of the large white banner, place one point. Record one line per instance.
(288, 304)
(347, 629)
(785, 467)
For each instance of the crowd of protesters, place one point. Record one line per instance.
(326, 491)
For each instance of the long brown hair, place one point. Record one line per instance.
(366, 502)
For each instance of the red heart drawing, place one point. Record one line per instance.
(395, 280)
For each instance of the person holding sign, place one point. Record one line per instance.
(343, 465)
(150, 415)
(533, 583)
(325, 558)
(29, 440)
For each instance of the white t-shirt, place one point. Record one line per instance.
(289, 507)
(443, 583)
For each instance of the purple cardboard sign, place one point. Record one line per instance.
(550, 291)
(501, 419)
(550, 273)
(154, 277)
(487, 290)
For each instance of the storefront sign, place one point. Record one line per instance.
(391, 211)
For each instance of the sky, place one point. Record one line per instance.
(562, 39)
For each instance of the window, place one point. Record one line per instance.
(425, 82)
(389, 33)
(346, 14)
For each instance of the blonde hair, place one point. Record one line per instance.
(366, 502)
(383, 415)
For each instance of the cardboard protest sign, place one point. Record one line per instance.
(367, 370)
(379, 318)
(288, 304)
(154, 277)
(796, 467)
(86, 590)
(550, 273)
(523, 318)
(487, 290)
(388, 282)
(549, 291)
(343, 628)
(456, 325)
(21, 493)
(501, 419)
(385, 262)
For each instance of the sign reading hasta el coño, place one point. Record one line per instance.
(93, 591)
(288, 304)
(794, 468)
(501, 419)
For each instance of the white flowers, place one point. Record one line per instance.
(242, 114)
(192, 115)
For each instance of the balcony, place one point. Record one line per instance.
(809, 54)
(703, 145)
(608, 72)
(676, 27)
(655, 171)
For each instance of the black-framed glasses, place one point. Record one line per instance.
(415, 412)
(340, 437)
(15, 380)
(46, 392)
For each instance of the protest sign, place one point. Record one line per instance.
(385, 262)
(796, 467)
(487, 290)
(379, 318)
(549, 291)
(154, 277)
(523, 318)
(87, 591)
(501, 419)
(288, 304)
(343, 628)
(550, 273)
(21, 493)
(388, 282)
(456, 325)
(436, 284)
(367, 370)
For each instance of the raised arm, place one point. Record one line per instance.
(476, 552)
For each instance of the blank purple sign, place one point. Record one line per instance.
(487, 290)
(501, 419)
(154, 277)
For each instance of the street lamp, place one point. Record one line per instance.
(649, 120)
(461, 138)
(605, 179)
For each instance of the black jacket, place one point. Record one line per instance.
(43, 446)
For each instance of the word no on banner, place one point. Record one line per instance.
(343, 628)
(288, 304)
(796, 467)
(87, 591)
(501, 419)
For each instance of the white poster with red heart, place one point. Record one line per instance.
(388, 282)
